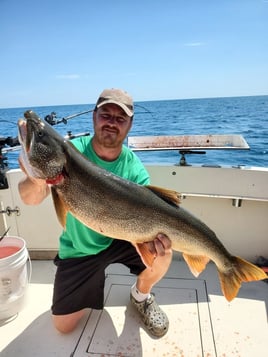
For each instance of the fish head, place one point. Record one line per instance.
(42, 153)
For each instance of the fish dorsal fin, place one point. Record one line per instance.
(170, 196)
(196, 263)
(60, 207)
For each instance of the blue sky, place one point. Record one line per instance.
(65, 52)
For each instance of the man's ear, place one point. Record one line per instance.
(94, 116)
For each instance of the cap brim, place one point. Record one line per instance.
(128, 111)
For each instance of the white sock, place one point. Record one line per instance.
(138, 296)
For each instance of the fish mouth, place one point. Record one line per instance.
(27, 129)
(23, 137)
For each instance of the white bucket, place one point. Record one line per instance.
(14, 276)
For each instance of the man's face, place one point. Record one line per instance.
(111, 125)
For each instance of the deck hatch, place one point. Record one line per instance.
(116, 331)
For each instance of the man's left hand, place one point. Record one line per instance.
(160, 246)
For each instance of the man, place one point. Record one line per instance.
(84, 254)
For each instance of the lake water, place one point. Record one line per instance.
(247, 116)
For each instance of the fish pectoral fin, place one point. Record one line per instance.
(170, 196)
(242, 271)
(60, 207)
(196, 263)
(146, 255)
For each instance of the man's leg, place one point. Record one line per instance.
(79, 282)
(151, 314)
(67, 323)
(150, 276)
(78, 285)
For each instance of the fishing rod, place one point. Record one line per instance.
(9, 143)
(14, 143)
(51, 118)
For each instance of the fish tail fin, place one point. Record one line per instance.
(242, 271)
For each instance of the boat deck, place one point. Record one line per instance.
(202, 322)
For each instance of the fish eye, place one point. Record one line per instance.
(40, 134)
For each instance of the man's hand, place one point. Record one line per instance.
(32, 190)
(160, 246)
(35, 181)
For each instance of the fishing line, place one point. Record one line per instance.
(147, 111)
(8, 121)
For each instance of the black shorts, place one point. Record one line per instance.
(79, 282)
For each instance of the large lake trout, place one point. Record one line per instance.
(121, 209)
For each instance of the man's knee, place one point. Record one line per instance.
(67, 323)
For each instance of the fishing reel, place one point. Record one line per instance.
(5, 141)
(9, 141)
(51, 119)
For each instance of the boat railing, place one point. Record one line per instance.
(188, 144)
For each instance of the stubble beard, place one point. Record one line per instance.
(110, 139)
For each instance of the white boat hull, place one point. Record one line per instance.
(231, 201)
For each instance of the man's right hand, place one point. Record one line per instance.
(36, 181)
(32, 190)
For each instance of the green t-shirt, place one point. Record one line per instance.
(78, 240)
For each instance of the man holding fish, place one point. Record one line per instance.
(83, 253)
